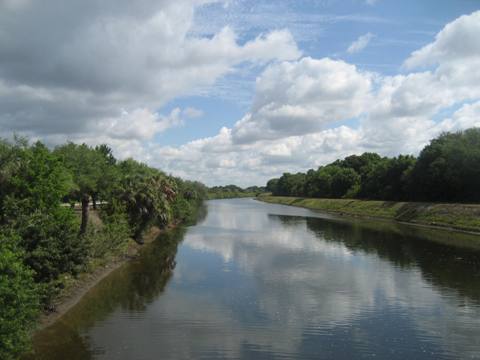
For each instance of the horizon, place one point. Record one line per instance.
(238, 92)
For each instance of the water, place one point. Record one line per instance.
(262, 281)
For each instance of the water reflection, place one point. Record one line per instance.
(128, 290)
(256, 280)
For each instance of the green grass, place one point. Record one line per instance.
(456, 216)
(229, 195)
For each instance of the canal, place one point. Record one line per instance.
(261, 281)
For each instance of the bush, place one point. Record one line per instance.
(19, 302)
(51, 243)
(109, 238)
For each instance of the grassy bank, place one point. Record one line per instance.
(108, 257)
(465, 217)
(229, 195)
(74, 288)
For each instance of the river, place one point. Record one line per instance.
(262, 281)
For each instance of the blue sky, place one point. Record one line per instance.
(321, 29)
(239, 91)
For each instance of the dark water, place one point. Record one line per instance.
(261, 281)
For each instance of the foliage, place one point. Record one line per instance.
(19, 301)
(31, 205)
(110, 237)
(147, 201)
(190, 195)
(234, 191)
(448, 169)
(90, 170)
(39, 189)
(33, 179)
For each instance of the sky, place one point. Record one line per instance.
(238, 92)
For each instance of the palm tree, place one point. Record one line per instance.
(147, 201)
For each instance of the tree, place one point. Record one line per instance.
(19, 301)
(343, 181)
(108, 181)
(32, 207)
(147, 201)
(291, 184)
(448, 169)
(272, 185)
(86, 165)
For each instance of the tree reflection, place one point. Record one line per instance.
(447, 260)
(131, 287)
(442, 264)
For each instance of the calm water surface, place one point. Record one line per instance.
(262, 281)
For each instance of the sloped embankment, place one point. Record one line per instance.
(465, 217)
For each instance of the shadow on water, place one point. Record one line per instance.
(447, 260)
(132, 287)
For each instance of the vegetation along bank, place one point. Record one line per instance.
(439, 187)
(233, 191)
(67, 212)
(464, 217)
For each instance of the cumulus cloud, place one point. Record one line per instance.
(456, 42)
(296, 98)
(295, 121)
(360, 44)
(74, 69)
(143, 124)
(100, 72)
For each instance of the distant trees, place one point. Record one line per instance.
(233, 191)
(448, 169)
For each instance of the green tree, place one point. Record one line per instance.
(272, 185)
(344, 180)
(32, 206)
(87, 167)
(291, 184)
(147, 201)
(448, 169)
(389, 179)
(19, 301)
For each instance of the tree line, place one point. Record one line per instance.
(47, 234)
(447, 169)
(234, 191)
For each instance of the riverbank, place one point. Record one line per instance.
(218, 196)
(461, 217)
(78, 287)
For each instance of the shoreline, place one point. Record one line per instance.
(71, 296)
(344, 209)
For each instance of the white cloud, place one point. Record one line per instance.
(456, 42)
(104, 77)
(360, 44)
(142, 124)
(296, 98)
(72, 70)
(295, 102)
(466, 117)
